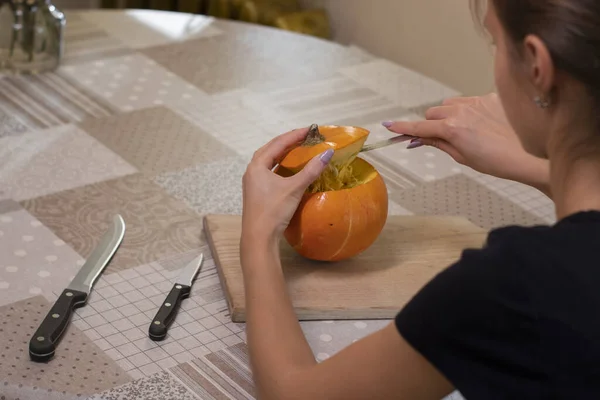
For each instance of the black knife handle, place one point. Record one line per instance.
(43, 342)
(167, 311)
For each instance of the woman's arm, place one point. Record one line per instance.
(272, 330)
(381, 366)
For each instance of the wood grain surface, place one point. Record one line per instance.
(374, 285)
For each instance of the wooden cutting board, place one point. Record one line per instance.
(376, 284)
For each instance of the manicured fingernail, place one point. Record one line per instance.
(414, 144)
(326, 156)
(387, 124)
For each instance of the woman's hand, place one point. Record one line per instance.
(475, 132)
(270, 200)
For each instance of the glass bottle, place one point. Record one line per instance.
(34, 43)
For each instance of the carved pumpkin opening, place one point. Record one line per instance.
(344, 175)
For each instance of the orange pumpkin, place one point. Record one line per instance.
(343, 212)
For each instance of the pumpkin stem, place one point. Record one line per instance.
(314, 137)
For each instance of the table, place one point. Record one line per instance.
(155, 115)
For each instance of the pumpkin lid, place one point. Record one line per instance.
(350, 139)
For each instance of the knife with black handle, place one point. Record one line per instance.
(44, 341)
(168, 310)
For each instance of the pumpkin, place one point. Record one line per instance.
(343, 212)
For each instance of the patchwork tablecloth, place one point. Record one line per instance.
(155, 116)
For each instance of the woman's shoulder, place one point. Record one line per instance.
(522, 263)
(490, 309)
(546, 244)
(529, 265)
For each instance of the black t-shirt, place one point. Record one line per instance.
(518, 319)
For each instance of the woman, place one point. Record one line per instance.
(516, 319)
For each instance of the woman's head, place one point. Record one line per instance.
(547, 68)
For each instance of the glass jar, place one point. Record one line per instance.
(31, 36)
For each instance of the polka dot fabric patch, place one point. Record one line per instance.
(15, 391)
(329, 337)
(79, 367)
(134, 82)
(34, 261)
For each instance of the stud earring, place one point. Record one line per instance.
(541, 102)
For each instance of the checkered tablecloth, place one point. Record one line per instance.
(154, 116)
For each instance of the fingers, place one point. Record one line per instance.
(424, 129)
(449, 106)
(312, 170)
(440, 112)
(272, 152)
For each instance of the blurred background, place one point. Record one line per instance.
(434, 37)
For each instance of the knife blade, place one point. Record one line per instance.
(44, 341)
(386, 142)
(168, 310)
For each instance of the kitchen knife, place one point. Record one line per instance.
(181, 290)
(386, 142)
(43, 343)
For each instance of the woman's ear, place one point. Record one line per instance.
(538, 64)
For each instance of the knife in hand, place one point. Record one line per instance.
(43, 343)
(180, 290)
(386, 142)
